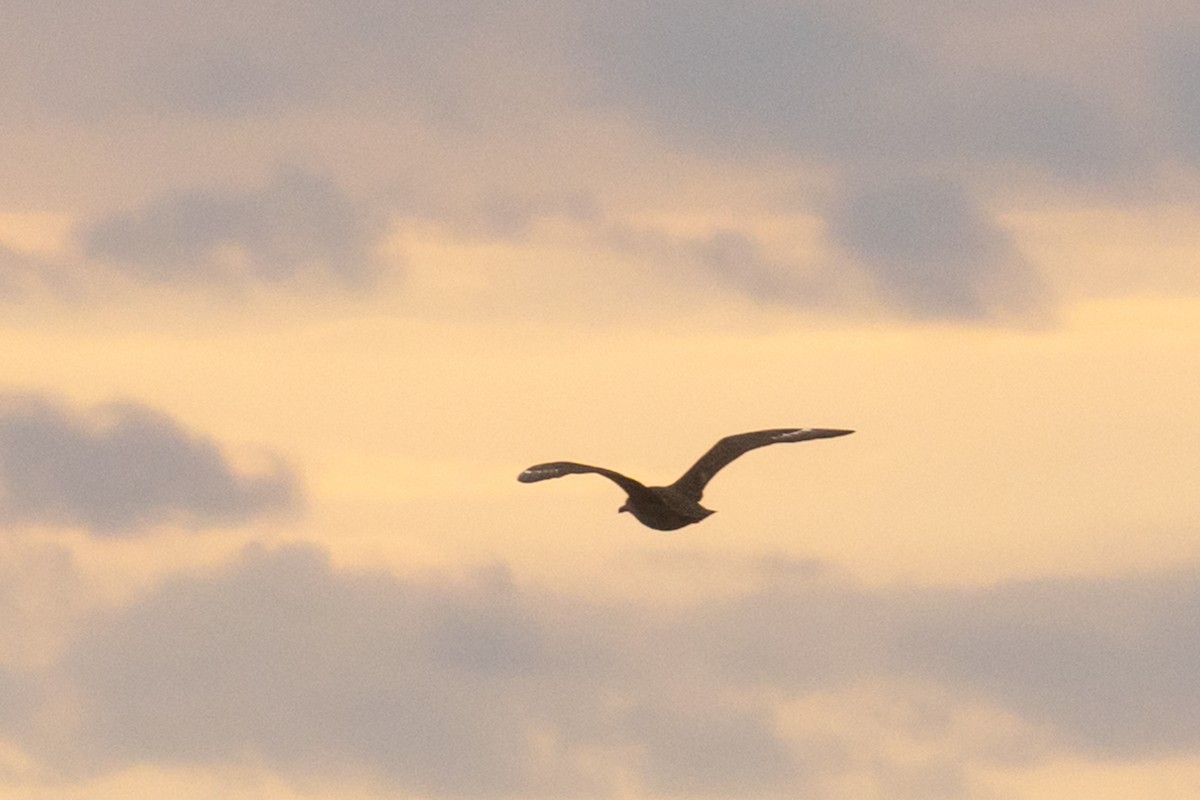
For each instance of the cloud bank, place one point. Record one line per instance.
(854, 85)
(484, 688)
(1080, 105)
(122, 468)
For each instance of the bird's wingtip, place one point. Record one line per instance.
(538, 472)
(800, 434)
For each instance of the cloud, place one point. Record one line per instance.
(476, 688)
(485, 688)
(694, 748)
(23, 275)
(121, 469)
(15, 269)
(793, 86)
(848, 84)
(753, 75)
(1110, 664)
(41, 599)
(436, 689)
(729, 259)
(27, 278)
(738, 260)
(1176, 69)
(299, 224)
(501, 214)
(475, 101)
(950, 91)
(200, 64)
(922, 247)
(931, 250)
(11, 700)
(223, 62)
(825, 80)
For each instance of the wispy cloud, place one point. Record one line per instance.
(733, 260)
(297, 225)
(120, 469)
(24, 275)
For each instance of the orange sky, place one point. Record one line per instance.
(345, 271)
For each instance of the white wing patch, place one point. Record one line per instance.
(539, 473)
(799, 433)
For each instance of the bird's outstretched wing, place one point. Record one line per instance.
(692, 483)
(556, 469)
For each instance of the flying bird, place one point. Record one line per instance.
(668, 508)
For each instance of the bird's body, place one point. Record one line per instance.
(668, 508)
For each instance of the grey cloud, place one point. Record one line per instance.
(1178, 71)
(10, 695)
(298, 224)
(15, 272)
(41, 598)
(738, 259)
(508, 215)
(1111, 664)
(924, 243)
(232, 83)
(824, 80)
(931, 250)
(19, 703)
(26, 278)
(23, 275)
(22, 699)
(695, 748)
(486, 688)
(435, 689)
(491, 214)
(122, 468)
(137, 57)
(922, 246)
(866, 88)
(835, 82)
(470, 689)
(1009, 119)
(224, 60)
(733, 260)
(753, 74)
(1108, 662)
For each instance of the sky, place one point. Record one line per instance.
(290, 292)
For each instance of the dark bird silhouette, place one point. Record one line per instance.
(668, 508)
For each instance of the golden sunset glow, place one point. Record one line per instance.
(289, 297)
